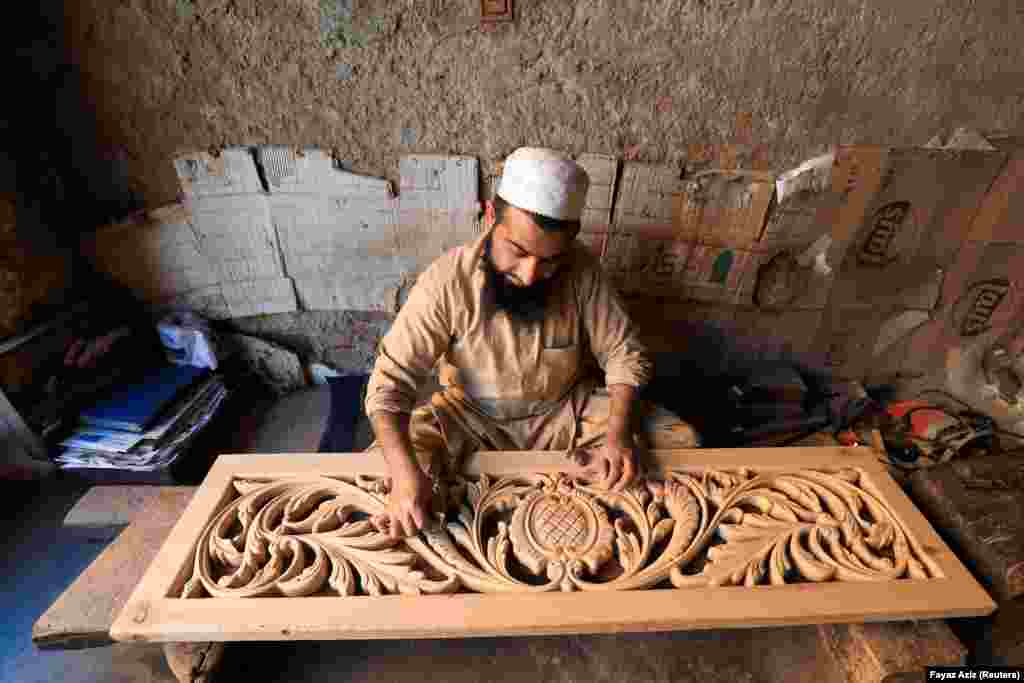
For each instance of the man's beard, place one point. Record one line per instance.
(523, 303)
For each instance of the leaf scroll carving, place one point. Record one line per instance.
(802, 526)
(300, 537)
(535, 532)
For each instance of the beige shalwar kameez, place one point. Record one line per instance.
(511, 384)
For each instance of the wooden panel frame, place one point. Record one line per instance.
(150, 615)
(496, 11)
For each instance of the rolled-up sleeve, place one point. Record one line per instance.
(409, 351)
(613, 339)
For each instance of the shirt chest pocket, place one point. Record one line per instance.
(557, 370)
(564, 343)
(558, 333)
(558, 364)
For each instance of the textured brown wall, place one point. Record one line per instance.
(54, 179)
(648, 79)
(135, 81)
(29, 276)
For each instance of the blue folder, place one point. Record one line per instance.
(134, 405)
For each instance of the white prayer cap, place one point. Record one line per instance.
(544, 181)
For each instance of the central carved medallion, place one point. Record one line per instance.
(558, 521)
(559, 525)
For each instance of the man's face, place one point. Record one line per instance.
(523, 261)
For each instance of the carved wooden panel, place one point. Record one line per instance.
(279, 547)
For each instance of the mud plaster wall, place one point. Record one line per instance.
(57, 176)
(36, 178)
(113, 90)
(665, 81)
(650, 80)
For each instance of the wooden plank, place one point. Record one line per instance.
(154, 613)
(891, 652)
(465, 616)
(82, 615)
(111, 505)
(979, 504)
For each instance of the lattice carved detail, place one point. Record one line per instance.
(544, 532)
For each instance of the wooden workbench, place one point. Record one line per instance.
(82, 616)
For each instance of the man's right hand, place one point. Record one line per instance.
(411, 489)
(409, 504)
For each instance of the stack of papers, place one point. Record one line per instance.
(163, 440)
(133, 406)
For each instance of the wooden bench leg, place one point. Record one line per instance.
(193, 662)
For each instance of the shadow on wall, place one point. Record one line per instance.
(68, 176)
(60, 175)
(694, 383)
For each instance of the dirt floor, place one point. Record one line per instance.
(652, 80)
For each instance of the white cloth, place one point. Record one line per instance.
(544, 181)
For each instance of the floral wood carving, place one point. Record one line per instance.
(543, 532)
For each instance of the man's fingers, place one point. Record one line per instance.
(408, 525)
(628, 470)
(418, 518)
(394, 532)
(581, 459)
(597, 472)
(614, 471)
(587, 466)
(396, 525)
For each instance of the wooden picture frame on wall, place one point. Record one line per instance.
(494, 11)
(705, 539)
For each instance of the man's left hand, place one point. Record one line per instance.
(613, 466)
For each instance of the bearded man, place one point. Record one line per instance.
(512, 318)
